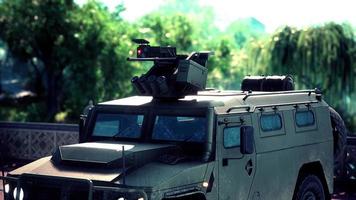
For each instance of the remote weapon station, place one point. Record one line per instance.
(172, 76)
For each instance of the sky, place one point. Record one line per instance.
(272, 13)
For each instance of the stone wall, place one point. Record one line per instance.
(29, 141)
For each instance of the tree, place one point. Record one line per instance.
(201, 17)
(100, 71)
(226, 67)
(71, 48)
(41, 30)
(174, 30)
(2, 57)
(245, 30)
(321, 56)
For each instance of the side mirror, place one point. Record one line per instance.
(81, 127)
(247, 139)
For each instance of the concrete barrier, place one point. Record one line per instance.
(29, 141)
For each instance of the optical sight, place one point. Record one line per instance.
(144, 50)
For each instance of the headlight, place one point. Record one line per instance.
(7, 188)
(21, 194)
(205, 184)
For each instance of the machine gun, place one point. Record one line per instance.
(172, 75)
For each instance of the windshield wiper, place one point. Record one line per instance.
(189, 138)
(129, 132)
(117, 135)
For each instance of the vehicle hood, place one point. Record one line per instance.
(161, 176)
(109, 154)
(103, 161)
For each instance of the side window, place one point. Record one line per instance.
(106, 124)
(232, 137)
(304, 118)
(271, 122)
(116, 124)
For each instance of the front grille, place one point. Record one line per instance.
(54, 188)
(39, 192)
(36, 187)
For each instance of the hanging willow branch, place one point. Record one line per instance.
(320, 57)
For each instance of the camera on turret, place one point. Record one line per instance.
(144, 50)
(172, 75)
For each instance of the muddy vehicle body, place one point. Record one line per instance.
(209, 144)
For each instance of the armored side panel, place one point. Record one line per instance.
(192, 74)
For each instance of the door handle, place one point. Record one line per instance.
(249, 167)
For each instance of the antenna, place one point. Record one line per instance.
(123, 165)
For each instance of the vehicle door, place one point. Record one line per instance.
(236, 170)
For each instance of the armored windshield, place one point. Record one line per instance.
(180, 129)
(118, 125)
(171, 128)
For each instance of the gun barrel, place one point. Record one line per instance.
(151, 59)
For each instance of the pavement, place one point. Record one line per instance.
(345, 191)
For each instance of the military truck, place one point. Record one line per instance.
(178, 140)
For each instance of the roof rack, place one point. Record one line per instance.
(309, 92)
(249, 108)
(221, 93)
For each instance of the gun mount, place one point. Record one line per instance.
(172, 75)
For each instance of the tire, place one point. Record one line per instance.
(350, 166)
(310, 188)
(339, 134)
(191, 197)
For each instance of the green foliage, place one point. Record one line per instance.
(201, 17)
(220, 68)
(100, 71)
(167, 30)
(322, 57)
(79, 53)
(84, 57)
(75, 51)
(191, 28)
(245, 30)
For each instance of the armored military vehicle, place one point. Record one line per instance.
(178, 140)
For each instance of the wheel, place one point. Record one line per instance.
(310, 188)
(340, 134)
(350, 166)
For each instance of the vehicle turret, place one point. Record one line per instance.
(172, 75)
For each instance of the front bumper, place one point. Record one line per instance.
(39, 187)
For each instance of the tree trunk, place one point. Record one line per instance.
(54, 78)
